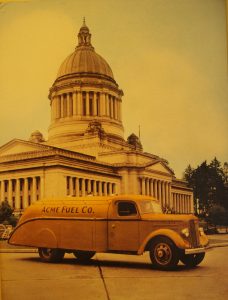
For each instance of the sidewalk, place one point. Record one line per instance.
(215, 240)
(218, 240)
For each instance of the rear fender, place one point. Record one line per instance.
(33, 235)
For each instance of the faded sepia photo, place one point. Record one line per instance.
(113, 149)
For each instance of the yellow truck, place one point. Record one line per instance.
(127, 224)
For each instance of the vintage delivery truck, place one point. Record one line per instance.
(127, 224)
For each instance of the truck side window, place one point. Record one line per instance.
(126, 209)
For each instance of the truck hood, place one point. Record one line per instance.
(167, 217)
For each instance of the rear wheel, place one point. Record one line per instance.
(84, 255)
(192, 260)
(51, 255)
(164, 253)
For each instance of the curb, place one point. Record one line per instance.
(225, 244)
(18, 250)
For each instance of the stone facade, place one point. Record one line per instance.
(86, 153)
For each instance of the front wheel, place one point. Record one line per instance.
(192, 260)
(84, 255)
(51, 255)
(164, 253)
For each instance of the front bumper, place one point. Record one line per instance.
(197, 250)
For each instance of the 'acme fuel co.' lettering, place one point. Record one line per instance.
(68, 210)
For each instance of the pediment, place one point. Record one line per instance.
(17, 146)
(160, 167)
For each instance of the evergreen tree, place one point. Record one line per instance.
(208, 184)
(5, 211)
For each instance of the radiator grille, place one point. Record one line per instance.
(194, 234)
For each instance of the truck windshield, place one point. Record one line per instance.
(148, 206)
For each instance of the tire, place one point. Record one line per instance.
(51, 255)
(192, 260)
(164, 254)
(84, 255)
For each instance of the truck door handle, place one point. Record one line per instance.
(113, 226)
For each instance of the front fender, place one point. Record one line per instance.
(171, 234)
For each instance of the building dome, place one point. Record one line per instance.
(85, 91)
(84, 60)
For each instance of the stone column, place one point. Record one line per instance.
(94, 187)
(120, 109)
(25, 204)
(109, 188)
(107, 105)
(98, 101)
(10, 192)
(160, 191)
(58, 101)
(164, 200)
(167, 194)
(18, 196)
(111, 107)
(170, 194)
(3, 190)
(143, 186)
(102, 104)
(74, 102)
(116, 108)
(114, 190)
(68, 104)
(156, 188)
(34, 188)
(87, 104)
(79, 107)
(147, 186)
(83, 187)
(77, 186)
(70, 185)
(62, 106)
(94, 104)
(42, 187)
(88, 186)
(151, 187)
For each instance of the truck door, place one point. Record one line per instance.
(123, 226)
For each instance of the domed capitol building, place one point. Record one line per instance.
(86, 153)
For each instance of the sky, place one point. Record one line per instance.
(168, 57)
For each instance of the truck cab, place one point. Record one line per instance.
(128, 224)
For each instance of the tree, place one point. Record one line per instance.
(208, 184)
(5, 211)
(6, 214)
(218, 216)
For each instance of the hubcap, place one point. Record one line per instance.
(163, 253)
(47, 252)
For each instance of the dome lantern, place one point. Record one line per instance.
(84, 37)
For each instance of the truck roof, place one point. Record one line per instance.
(75, 207)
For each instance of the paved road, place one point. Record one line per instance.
(111, 277)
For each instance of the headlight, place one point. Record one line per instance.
(201, 231)
(185, 232)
